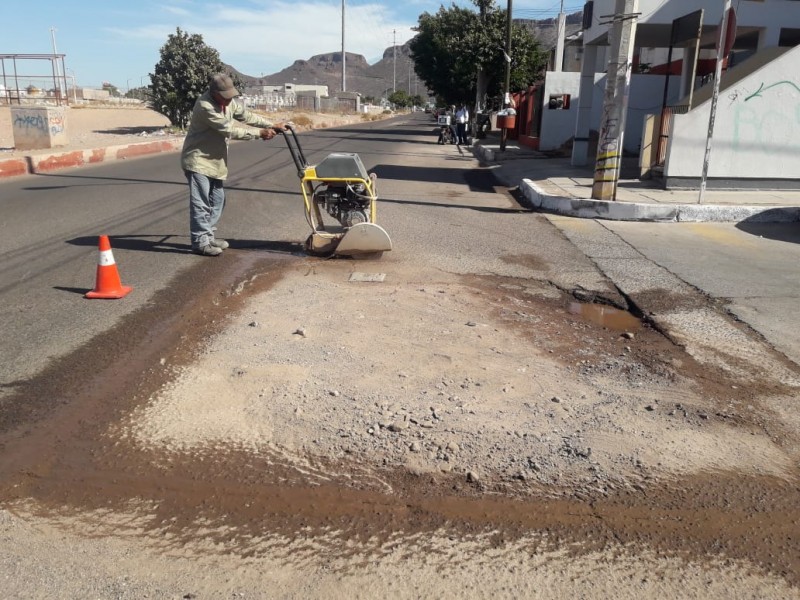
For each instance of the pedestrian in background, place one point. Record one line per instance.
(204, 158)
(462, 118)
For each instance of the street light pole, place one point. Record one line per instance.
(507, 84)
(55, 54)
(74, 86)
(721, 42)
(344, 56)
(394, 60)
(507, 88)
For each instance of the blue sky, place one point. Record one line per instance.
(119, 41)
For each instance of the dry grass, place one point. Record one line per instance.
(303, 121)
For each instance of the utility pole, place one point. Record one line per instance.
(55, 60)
(615, 102)
(394, 60)
(507, 83)
(721, 43)
(344, 56)
(558, 64)
(507, 87)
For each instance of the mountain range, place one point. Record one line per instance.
(394, 71)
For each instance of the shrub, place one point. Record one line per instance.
(302, 121)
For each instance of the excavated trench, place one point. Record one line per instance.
(57, 459)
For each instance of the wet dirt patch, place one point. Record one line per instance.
(564, 487)
(238, 503)
(530, 261)
(606, 316)
(74, 392)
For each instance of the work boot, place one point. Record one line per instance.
(219, 243)
(207, 250)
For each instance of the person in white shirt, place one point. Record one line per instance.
(462, 118)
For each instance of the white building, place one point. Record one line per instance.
(278, 97)
(757, 128)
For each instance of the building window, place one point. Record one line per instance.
(789, 37)
(558, 102)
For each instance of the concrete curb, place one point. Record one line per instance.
(639, 211)
(11, 167)
(584, 208)
(45, 163)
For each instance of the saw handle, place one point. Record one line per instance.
(293, 143)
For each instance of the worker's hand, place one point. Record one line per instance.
(267, 134)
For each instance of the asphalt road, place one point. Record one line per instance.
(51, 223)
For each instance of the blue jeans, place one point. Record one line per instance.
(206, 201)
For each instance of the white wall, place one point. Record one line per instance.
(646, 96)
(558, 126)
(755, 136)
(769, 14)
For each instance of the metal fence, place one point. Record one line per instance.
(665, 125)
(33, 78)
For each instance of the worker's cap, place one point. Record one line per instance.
(223, 85)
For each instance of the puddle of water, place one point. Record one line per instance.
(605, 316)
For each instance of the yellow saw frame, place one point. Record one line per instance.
(338, 170)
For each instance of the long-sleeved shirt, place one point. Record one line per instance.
(462, 115)
(205, 149)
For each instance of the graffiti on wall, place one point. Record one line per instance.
(57, 124)
(608, 145)
(37, 123)
(757, 93)
(29, 121)
(767, 126)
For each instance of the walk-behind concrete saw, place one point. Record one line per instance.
(340, 191)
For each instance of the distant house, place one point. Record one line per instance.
(309, 97)
(277, 97)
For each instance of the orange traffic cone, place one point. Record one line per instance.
(108, 284)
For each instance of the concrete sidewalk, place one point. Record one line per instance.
(554, 185)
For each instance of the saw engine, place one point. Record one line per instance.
(348, 203)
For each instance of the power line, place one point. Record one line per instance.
(556, 8)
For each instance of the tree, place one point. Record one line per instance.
(138, 93)
(457, 51)
(399, 98)
(187, 65)
(112, 90)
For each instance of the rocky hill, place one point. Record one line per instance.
(545, 30)
(393, 71)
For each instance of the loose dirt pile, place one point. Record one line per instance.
(489, 378)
